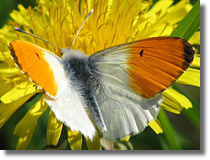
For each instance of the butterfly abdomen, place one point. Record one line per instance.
(76, 65)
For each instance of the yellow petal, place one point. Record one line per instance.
(127, 138)
(4, 56)
(161, 5)
(174, 101)
(31, 117)
(7, 110)
(156, 126)
(18, 92)
(9, 71)
(74, 139)
(25, 138)
(177, 12)
(95, 145)
(5, 86)
(161, 18)
(7, 35)
(196, 62)
(191, 77)
(54, 128)
(8, 82)
(90, 4)
(20, 16)
(195, 39)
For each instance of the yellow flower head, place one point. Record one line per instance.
(57, 21)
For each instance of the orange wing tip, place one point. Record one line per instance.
(17, 50)
(144, 56)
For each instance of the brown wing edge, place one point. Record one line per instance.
(189, 53)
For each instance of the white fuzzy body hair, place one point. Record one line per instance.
(69, 106)
(71, 53)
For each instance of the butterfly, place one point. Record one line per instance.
(119, 88)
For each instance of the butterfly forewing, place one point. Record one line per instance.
(32, 60)
(47, 71)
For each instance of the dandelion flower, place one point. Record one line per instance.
(57, 21)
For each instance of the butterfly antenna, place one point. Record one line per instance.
(20, 30)
(91, 11)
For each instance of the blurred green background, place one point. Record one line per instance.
(185, 126)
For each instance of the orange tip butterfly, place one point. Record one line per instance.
(121, 86)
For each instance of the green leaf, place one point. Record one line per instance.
(190, 24)
(169, 132)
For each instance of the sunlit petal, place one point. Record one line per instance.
(31, 117)
(95, 145)
(6, 113)
(174, 101)
(54, 128)
(75, 139)
(156, 126)
(25, 138)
